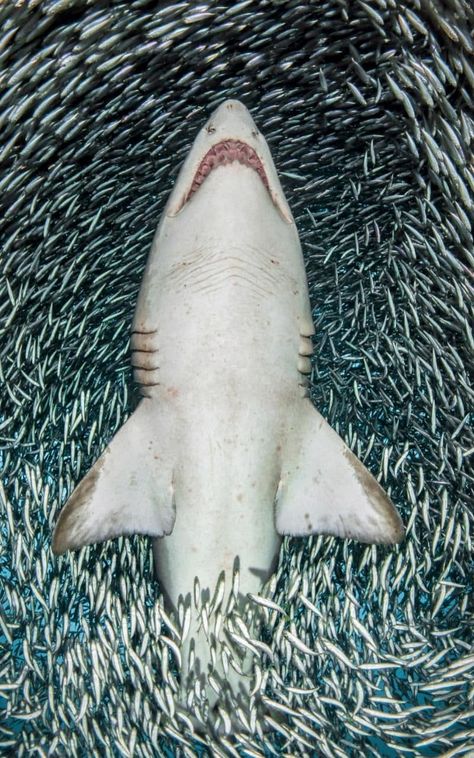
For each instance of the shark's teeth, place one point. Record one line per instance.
(224, 153)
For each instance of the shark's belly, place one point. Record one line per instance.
(227, 341)
(230, 385)
(224, 490)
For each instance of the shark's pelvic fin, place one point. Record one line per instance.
(129, 490)
(325, 489)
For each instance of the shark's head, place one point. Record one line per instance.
(229, 135)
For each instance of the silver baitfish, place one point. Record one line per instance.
(368, 110)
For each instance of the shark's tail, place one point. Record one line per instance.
(217, 655)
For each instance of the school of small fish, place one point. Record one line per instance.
(368, 108)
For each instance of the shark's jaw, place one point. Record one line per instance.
(224, 153)
(229, 137)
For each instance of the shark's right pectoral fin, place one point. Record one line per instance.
(325, 489)
(128, 490)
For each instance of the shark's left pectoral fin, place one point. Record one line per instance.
(325, 489)
(129, 489)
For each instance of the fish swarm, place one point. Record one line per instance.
(368, 109)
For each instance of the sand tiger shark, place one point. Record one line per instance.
(225, 452)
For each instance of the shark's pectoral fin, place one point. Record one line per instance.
(128, 490)
(325, 489)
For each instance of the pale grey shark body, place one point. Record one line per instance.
(225, 452)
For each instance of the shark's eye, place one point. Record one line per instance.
(210, 129)
(254, 133)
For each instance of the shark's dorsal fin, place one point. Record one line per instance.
(325, 489)
(129, 490)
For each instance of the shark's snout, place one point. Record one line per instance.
(232, 120)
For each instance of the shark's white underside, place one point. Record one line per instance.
(225, 452)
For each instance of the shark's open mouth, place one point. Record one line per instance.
(223, 153)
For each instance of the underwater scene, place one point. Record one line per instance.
(343, 625)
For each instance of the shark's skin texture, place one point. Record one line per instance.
(225, 452)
